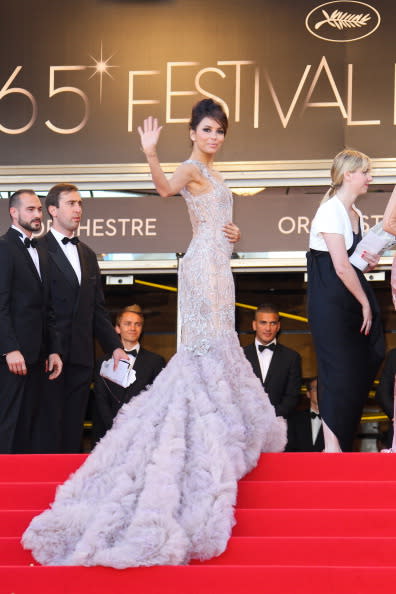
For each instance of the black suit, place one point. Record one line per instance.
(385, 391)
(80, 316)
(27, 324)
(283, 381)
(299, 433)
(109, 397)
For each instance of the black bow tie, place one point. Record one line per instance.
(133, 352)
(314, 415)
(30, 242)
(262, 347)
(73, 240)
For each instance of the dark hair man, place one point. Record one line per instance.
(278, 367)
(305, 429)
(28, 340)
(78, 302)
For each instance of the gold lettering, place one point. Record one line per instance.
(349, 104)
(170, 93)
(323, 65)
(285, 118)
(206, 93)
(237, 64)
(131, 90)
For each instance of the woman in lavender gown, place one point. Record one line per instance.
(160, 487)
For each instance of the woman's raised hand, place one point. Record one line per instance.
(149, 135)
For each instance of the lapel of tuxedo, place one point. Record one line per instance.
(308, 429)
(319, 441)
(15, 238)
(59, 258)
(254, 360)
(140, 361)
(83, 264)
(274, 364)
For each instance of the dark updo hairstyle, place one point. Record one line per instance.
(207, 108)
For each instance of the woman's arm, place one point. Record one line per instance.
(389, 220)
(345, 271)
(184, 174)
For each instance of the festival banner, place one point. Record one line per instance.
(275, 220)
(300, 80)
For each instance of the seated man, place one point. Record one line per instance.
(385, 392)
(277, 366)
(305, 430)
(109, 397)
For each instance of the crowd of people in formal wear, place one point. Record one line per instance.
(52, 309)
(159, 487)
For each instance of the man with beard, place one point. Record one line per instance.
(28, 339)
(78, 301)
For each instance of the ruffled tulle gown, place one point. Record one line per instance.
(160, 487)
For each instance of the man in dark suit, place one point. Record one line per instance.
(385, 392)
(78, 302)
(305, 429)
(109, 397)
(277, 366)
(28, 340)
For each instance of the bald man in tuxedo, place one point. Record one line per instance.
(277, 366)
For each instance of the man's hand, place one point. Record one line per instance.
(119, 354)
(54, 365)
(16, 363)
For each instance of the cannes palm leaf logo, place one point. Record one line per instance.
(343, 20)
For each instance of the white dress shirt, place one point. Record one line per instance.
(31, 250)
(316, 424)
(264, 357)
(132, 359)
(70, 252)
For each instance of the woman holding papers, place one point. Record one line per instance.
(343, 312)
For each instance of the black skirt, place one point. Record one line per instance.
(347, 360)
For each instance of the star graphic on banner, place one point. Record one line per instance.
(101, 66)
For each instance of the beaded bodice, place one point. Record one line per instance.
(206, 287)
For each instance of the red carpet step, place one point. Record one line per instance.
(306, 523)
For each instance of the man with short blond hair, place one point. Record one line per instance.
(109, 397)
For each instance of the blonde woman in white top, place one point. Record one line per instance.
(342, 309)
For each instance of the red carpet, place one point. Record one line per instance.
(306, 523)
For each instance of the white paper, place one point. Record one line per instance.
(124, 375)
(375, 241)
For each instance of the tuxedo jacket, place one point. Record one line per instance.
(299, 433)
(27, 321)
(385, 393)
(79, 309)
(283, 381)
(109, 397)
(385, 390)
